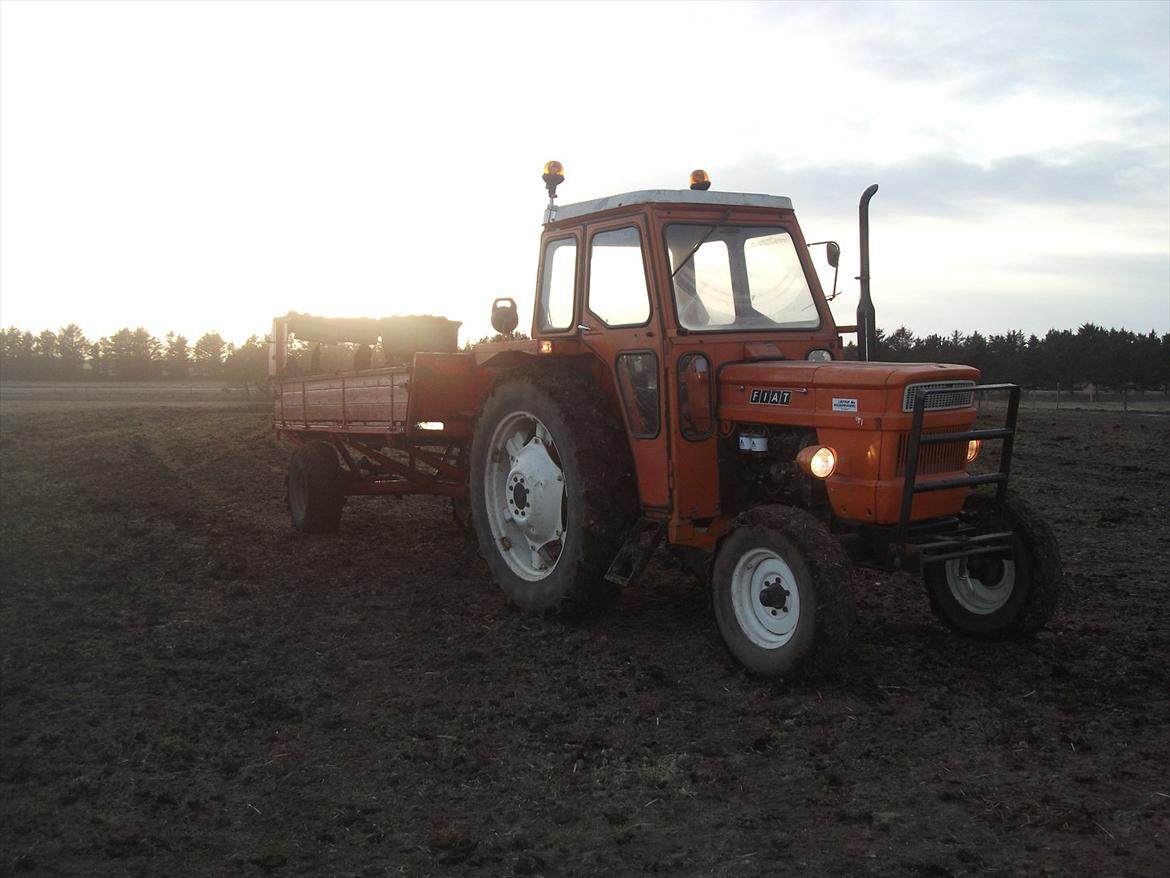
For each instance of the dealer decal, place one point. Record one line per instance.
(844, 405)
(764, 396)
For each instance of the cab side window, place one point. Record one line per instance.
(557, 282)
(694, 397)
(618, 293)
(637, 374)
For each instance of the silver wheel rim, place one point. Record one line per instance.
(524, 492)
(761, 577)
(981, 587)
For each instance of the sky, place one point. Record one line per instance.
(205, 166)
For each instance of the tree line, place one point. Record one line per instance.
(1061, 359)
(128, 355)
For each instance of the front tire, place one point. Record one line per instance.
(782, 590)
(995, 598)
(552, 490)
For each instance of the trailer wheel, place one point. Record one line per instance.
(994, 598)
(782, 590)
(552, 490)
(315, 494)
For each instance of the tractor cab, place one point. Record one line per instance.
(728, 268)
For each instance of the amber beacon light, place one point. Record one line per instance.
(554, 176)
(700, 180)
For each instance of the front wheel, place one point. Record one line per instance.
(1014, 595)
(782, 592)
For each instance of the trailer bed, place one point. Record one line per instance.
(369, 401)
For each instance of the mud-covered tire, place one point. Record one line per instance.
(779, 546)
(315, 489)
(994, 599)
(599, 505)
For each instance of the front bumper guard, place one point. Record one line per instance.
(933, 542)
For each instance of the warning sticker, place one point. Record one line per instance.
(844, 405)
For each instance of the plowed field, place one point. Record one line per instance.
(188, 687)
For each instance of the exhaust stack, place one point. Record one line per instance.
(866, 328)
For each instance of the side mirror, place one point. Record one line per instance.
(833, 255)
(504, 317)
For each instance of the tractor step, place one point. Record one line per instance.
(635, 553)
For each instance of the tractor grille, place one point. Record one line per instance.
(945, 457)
(959, 397)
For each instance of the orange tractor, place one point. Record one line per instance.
(684, 382)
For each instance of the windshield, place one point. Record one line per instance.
(738, 277)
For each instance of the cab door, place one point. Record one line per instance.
(691, 379)
(619, 324)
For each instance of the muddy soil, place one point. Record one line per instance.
(188, 687)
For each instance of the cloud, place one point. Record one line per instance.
(995, 49)
(1096, 175)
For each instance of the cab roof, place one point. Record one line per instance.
(672, 196)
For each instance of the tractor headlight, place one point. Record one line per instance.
(819, 461)
(820, 355)
(973, 449)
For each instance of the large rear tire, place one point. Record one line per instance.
(994, 598)
(782, 590)
(552, 490)
(315, 490)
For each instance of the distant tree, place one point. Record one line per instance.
(1117, 358)
(248, 362)
(46, 345)
(1005, 357)
(1063, 360)
(16, 353)
(210, 351)
(1092, 343)
(98, 364)
(1032, 363)
(72, 347)
(1148, 353)
(975, 351)
(899, 346)
(26, 355)
(954, 348)
(931, 349)
(1164, 364)
(131, 355)
(177, 356)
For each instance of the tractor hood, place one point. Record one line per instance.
(837, 393)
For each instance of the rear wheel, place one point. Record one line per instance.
(1014, 595)
(551, 490)
(782, 592)
(315, 491)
